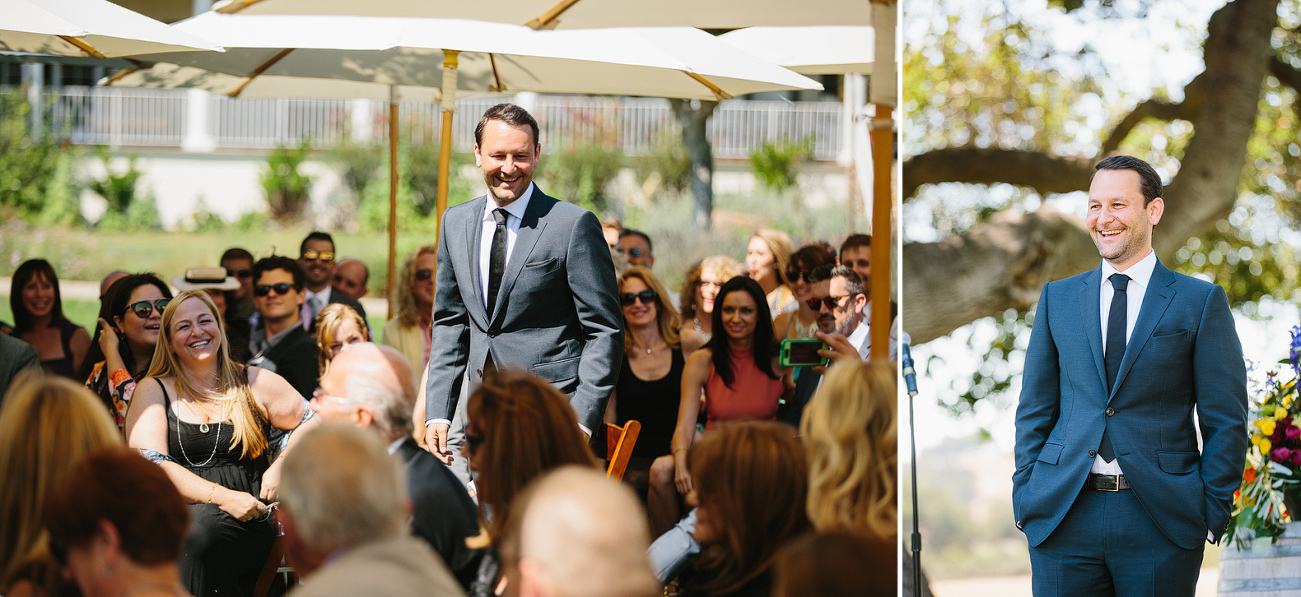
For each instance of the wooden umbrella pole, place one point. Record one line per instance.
(392, 198)
(445, 138)
(882, 241)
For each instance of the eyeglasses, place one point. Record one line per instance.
(473, 442)
(281, 288)
(319, 395)
(647, 297)
(326, 256)
(631, 251)
(144, 308)
(794, 275)
(830, 302)
(239, 273)
(424, 274)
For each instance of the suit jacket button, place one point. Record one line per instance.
(492, 334)
(1110, 411)
(1092, 453)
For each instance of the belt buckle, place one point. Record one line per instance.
(1115, 482)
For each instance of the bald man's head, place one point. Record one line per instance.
(375, 386)
(108, 282)
(350, 277)
(584, 535)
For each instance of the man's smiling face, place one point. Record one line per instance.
(1119, 220)
(507, 155)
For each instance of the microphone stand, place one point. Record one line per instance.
(910, 380)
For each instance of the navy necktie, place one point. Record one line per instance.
(1115, 350)
(497, 258)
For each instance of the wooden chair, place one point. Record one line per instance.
(618, 447)
(274, 566)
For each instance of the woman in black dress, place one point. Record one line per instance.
(205, 420)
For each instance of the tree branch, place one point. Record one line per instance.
(1194, 100)
(1043, 172)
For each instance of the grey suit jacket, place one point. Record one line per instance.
(398, 567)
(557, 312)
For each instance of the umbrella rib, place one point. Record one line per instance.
(124, 72)
(718, 91)
(548, 18)
(496, 76)
(83, 46)
(237, 6)
(258, 71)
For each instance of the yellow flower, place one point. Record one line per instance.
(1279, 413)
(1265, 446)
(1266, 426)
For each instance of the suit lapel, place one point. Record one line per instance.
(473, 238)
(1155, 301)
(1091, 315)
(530, 229)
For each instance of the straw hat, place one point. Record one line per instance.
(204, 278)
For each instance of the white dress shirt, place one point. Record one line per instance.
(1140, 275)
(514, 216)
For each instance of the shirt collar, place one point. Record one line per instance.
(1140, 272)
(324, 294)
(515, 208)
(859, 336)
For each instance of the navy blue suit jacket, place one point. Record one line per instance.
(1183, 354)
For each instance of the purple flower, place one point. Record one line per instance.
(1295, 460)
(1280, 455)
(1294, 352)
(1293, 432)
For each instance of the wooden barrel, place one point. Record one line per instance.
(1273, 572)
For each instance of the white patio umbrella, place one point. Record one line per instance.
(95, 28)
(583, 14)
(303, 56)
(829, 50)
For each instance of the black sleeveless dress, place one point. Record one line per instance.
(652, 403)
(221, 555)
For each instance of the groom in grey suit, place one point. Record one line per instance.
(523, 280)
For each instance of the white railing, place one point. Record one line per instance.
(158, 118)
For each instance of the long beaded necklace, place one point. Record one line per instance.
(215, 443)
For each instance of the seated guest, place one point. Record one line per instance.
(344, 516)
(650, 379)
(849, 431)
(281, 344)
(350, 278)
(218, 284)
(800, 324)
(371, 386)
(751, 483)
(47, 425)
(699, 291)
(108, 281)
(118, 524)
(410, 331)
(836, 564)
(239, 265)
(316, 257)
(336, 327)
(38, 319)
(520, 426)
(765, 263)
(636, 247)
(205, 420)
(16, 356)
(124, 340)
(576, 533)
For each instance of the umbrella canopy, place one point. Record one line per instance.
(809, 50)
(270, 56)
(95, 28)
(583, 14)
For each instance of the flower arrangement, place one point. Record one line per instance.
(1265, 500)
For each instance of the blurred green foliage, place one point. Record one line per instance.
(581, 173)
(287, 189)
(29, 158)
(774, 164)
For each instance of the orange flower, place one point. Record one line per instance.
(1249, 475)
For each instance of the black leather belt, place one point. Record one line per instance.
(1107, 482)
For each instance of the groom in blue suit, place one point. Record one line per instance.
(1110, 487)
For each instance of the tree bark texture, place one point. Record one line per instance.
(700, 159)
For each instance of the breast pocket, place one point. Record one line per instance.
(1170, 339)
(540, 274)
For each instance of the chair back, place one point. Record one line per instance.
(618, 447)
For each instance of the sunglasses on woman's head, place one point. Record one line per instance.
(646, 297)
(424, 274)
(281, 288)
(144, 308)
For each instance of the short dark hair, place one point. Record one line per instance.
(317, 235)
(811, 256)
(855, 240)
(630, 232)
(236, 253)
(509, 114)
(118, 485)
(853, 282)
(1148, 180)
(820, 273)
(267, 264)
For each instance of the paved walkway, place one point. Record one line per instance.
(1019, 586)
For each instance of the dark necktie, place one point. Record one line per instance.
(1115, 350)
(497, 258)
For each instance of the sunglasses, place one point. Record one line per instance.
(830, 302)
(144, 308)
(281, 288)
(473, 442)
(632, 252)
(326, 256)
(239, 273)
(795, 275)
(424, 274)
(628, 298)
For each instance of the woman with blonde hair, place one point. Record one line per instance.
(518, 427)
(47, 425)
(410, 331)
(205, 419)
(766, 258)
(849, 430)
(338, 325)
(699, 292)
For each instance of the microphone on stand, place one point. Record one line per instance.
(910, 382)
